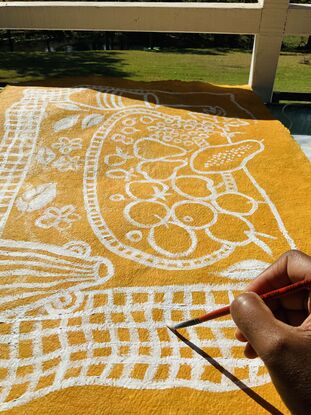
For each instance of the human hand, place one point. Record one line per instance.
(279, 332)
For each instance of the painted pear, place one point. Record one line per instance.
(225, 157)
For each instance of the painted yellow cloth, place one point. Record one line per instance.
(127, 206)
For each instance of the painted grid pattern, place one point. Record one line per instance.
(122, 333)
(22, 125)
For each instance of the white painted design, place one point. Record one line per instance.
(120, 174)
(17, 146)
(146, 190)
(273, 209)
(128, 130)
(194, 182)
(116, 197)
(154, 150)
(122, 139)
(188, 236)
(138, 336)
(225, 157)
(67, 163)
(36, 197)
(244, 235)
(80, 247)
(229, 182)
(243, 204)
(134, 236)
(60, 218)
(204, 214)
(59, 290)
(118, 158)
(36, 273)
(65, 123)
(129, 122)
(150, 213)
(161, 169)
(197, 180)
(165, 175)
(91, 120)
(68, 106)
(245, 270)
(112, 98)
(66, 145)
(45, 155)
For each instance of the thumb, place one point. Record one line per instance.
(257, 323)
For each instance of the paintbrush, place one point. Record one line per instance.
(280, 292)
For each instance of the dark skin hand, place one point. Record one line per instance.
(279, 332)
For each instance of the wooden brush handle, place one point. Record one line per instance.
(288, 289)
(280, 292)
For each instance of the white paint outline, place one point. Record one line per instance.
(163, 251)
(147, 140)
(209, 186)
(161, 221)
(220, 146)
(97, 222)
(193, 202)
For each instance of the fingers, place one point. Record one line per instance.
(306, 325)
(280, 314)
(295, 317)
(239, 336)
(284, 349)
(249, 352)
(257, 324)
(290, 267)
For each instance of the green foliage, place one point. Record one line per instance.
(219, 66)
(36, 40)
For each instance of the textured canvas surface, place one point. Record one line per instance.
(122, 208)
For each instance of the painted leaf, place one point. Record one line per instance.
(68, 106)
(36, 197)
(91, 120)
(261, 244)
(243, 270)
(65, 123)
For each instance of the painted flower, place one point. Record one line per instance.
(45, 155)
(67, 163)
(59, 218)
(65, 145)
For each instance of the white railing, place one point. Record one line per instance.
(268, 20)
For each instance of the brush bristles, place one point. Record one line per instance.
(184, 324)
(170, 327)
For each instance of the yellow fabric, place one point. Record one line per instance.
(126, 206)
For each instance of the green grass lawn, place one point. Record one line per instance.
(208, 65)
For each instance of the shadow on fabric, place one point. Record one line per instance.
(252, 394)
(239, 101)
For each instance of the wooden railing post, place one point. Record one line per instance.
(267, 47)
